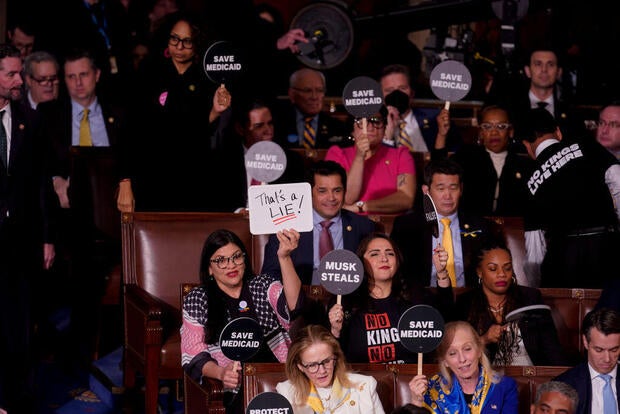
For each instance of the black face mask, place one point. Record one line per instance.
(399, 100)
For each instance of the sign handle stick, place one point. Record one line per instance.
(364, 126)
(339, 299)
(447, 105)
(420, 363)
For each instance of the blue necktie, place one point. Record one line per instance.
(609, 400)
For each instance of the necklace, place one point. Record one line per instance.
(498, 308)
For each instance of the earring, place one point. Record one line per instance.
(479, 280)
(514, 280)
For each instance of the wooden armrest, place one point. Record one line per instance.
(147, 304)
(207, 397)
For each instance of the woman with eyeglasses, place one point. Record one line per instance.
(229, 290)
(318, 380)
(177, 118)
(380, 178)
(494, 170)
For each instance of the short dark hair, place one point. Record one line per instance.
(558, 386)
(78, 53)
(442, 166)
(396, 68)
(325, 168)
(8, 50)
(605, 320)
(539, 122)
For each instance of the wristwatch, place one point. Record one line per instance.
(360, 206)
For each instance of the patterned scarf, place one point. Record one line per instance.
(338, 395)
(453, 401)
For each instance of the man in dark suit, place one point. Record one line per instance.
(414, 236)
(601, 339)
(25, 240)
(302, 121)
(328, 180)
(83, 134)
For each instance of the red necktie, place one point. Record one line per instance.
(326, 244)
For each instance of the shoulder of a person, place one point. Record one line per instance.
(421, 112)
(359, 380)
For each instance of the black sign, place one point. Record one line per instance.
(223, 63)
(421, 328)
(269, 403)
(341, 272)
(362, 97)
(265, 161)
(430, 214)
(241, 339)
(450, 80)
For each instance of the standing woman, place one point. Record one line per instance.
(367, 321)
(318, 380)
(466, 383)
(528, 341)
(176, 129)
(229, 290)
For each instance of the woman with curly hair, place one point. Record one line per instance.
(367, 321)
(466, 383)
(530, 340)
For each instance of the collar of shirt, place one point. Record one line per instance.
(498, 159)
(7, 121)
(544, 145)
(31, 101)
(534, 102)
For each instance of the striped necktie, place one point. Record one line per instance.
(403, 137)
(309, 140)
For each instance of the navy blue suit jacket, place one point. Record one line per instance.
(579, 378)
(354, 229)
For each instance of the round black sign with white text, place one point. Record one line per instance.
(223, 63)
(341, 272)
(421, 328)
(269, 403)
(265, 161)
(362, 97)
(450, 80)
(241, 339)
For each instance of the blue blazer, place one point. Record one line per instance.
(354, 229)
(579, 378)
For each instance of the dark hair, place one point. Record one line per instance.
(325, 168)
(605, 320)
(611, 102)
(243, 107)
(480, 315)
(561, 387)
(493, 107)
(400, 289)
(7, 50)
(215, 297)
(77, 54)
(396, 68)
(442, 166)
(539, 122)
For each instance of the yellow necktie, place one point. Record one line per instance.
(403, 137)
(446, 241)
(85, 138)
(309, 134)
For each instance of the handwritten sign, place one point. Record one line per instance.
(223, 62)
(276, 207)
(265, 161)
(241, 339)
(450, 80)
(269, 403)
(341, 272)
(362, 97)
(421, 328)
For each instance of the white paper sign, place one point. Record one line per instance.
(277, 207)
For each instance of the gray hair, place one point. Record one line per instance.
(300, 73)
(561, 387)
(38, 57)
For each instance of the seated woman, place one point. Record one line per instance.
(528, 341)
(367, 321)
(380, 179)
(466, 383)
(229, 290)
(494, 172)
(318, 380)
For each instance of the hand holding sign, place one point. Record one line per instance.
(341, 272)
(421, 329)
(240, 340)
(451, 81)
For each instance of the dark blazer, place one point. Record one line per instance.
(414, 237)
(354, 229)
(330, 131)
(480, 178)
(427, 120)
(539, 334)
(579, 378)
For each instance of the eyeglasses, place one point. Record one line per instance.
(187, 42)
(309, 91)
(313, 367)
(487, 126)
(222, 262)
(610, 124)
(45, 80)
(375, 121)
